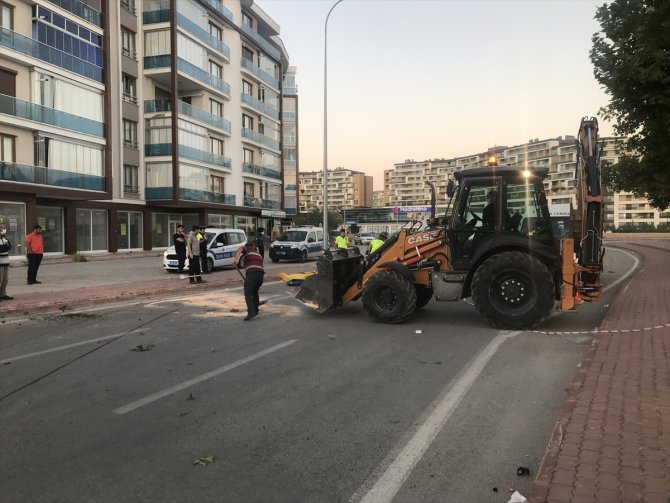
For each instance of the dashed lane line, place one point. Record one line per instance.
(60, 348)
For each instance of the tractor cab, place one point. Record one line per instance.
(499, 208)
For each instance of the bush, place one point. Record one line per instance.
(78, 257)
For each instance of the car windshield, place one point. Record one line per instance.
(293, 236)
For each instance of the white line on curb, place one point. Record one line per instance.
(178, 387)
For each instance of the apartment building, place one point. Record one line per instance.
(120, 119)
(377, 198)
(290, 145)
(346, 189)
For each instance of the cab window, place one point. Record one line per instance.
(311, 237)
(234, 238)
(319, 236)
(524, 208)
(221, 239)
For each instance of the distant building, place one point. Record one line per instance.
(290, 144)
(346, 189)
(377, 198)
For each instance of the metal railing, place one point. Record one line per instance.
(260, 73)
(39, 175)
(271, 50)
(260, 138)
(164, 149)
(81, 10)
(259, 105)
(203, 35)
(256, 202)
(261, 170)
(206, 196)
(218, 7)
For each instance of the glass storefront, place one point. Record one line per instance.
(13, 215)
(164, 225)
(129, 230)
(91, 230)
(247, 224)
(53, 231)
(220, 221)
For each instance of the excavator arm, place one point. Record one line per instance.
(583, 251)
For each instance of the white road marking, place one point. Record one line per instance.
(628, 273)
(178, 387)
(392, 473)
(60, 348)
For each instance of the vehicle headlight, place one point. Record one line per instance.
(272, 245)
(294, 246)
(165, 253)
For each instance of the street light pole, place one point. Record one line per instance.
(326, 236)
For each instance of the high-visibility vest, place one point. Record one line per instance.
(374, 244)
(342, 242)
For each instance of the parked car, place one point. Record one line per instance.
(221, 246)
(366, 238)
(298, 244)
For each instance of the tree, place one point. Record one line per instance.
(631, 59)
(315, 218)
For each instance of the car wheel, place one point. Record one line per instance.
(210, 265)
(389, 297)
(303, 257)
(274, 260)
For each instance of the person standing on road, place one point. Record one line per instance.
(260, 242)
(249, 258)
(179, 241)
(202, 239)
(341, 241)
(5, 246)
(193, 250)
(35, 251)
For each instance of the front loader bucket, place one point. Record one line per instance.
(334, 276)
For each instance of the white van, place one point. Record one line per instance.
(299, 243)
(221, 246)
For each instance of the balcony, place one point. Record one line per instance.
(260, 138)
(81, 10)
(267, 47)
(261, 170)
(160, 61)
(203, 35)
(255, 202)
(260, 106)
(35, 49)
(162, 149)
(206, 196)
(51, 116)
(260, 73)
(151, 106)
(203, 76)
(290, 186)
(290, 90)
(156, 16)
(12, 172)
(218, 7)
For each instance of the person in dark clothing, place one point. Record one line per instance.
(260, 242)
(490, 211)
(202, 237)
(179, 241)
(249, 258)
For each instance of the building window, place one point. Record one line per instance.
(247, 88)
(248, 156)
(247, 122)
(247, 20)
(215, 31)
(91, 230)
(248, 189)
(129, 134)
(215, 108)
(216, 146)
(131, 179)
(129, 88)
(7, 148)
(247, 54)
(218, 184)
(128, 43)
(128, 5)
(6, 16)
(215, 69)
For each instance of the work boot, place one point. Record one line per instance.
(200, 280)
(191, 281)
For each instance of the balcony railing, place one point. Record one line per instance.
(267, 47)
(80, 10)
(259, 105)
(290, 90)
(160, 61)
(161, 149)
(156, 16)
(261, 170)
(206, 196)
(51, 116)
(152, 193)
(129, 98)
(218, 7)
(151, 106)
(255, 202)
(288, 115)
(260, 73)
(22, 173)
(203, 35)
(290, 186)
(128, 5)
(33, 48)
(260, 138)
(203, 76)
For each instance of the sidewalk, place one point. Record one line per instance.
(67, 285)
(611, 442)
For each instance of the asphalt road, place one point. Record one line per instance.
(292, 406)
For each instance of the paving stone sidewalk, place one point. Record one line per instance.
(612, 437)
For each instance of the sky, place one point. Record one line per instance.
(427, 79)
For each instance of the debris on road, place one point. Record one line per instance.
(522, 470)
(332, 336)
(234, 310)
(190, 397)
(143, 348)
(495, 489)
(517, 497)
(418, 332)
(204, 461)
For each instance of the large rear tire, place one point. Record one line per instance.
(423, 296)
(389, 297)
(513, 291)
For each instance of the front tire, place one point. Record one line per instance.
(274, 260)
(513, 291)
(303, 257)
(389, 297)
(209, 265)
